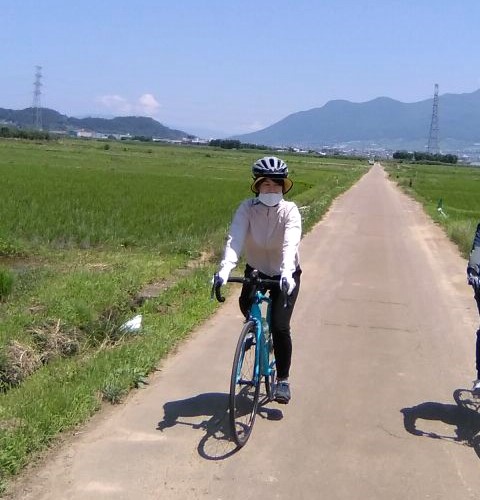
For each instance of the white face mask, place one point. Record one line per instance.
(270, 199)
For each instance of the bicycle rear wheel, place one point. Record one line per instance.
(244, 389)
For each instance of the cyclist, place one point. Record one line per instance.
(269, 228)
(473, 274)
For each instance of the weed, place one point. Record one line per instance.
(54, 339)
(462, 232)
(17, 362)
(10, 249)
(6, 283)
(113, 392)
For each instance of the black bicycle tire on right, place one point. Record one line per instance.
(242, 437)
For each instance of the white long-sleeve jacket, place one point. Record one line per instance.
(270, 237)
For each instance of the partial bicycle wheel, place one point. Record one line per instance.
(244, 391)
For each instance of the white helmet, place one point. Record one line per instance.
(271, 167)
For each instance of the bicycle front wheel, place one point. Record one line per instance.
(244, 386)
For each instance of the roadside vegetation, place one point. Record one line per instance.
(19, 133)
(449, 195)
(424, 157)
(91, 236)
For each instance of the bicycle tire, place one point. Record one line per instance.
(244, 391)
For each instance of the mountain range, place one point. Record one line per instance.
(54, 121)
(381, 121)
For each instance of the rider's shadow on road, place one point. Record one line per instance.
(464, 417)
(208, 412)
(212, 405)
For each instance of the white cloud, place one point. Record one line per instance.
(149, 104)
(146, 104)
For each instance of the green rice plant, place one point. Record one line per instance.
(69, 196)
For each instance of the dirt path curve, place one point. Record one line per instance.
(384, 323)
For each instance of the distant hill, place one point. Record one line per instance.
(382, 120)
(133, 125)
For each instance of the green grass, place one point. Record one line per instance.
(65, 393)
(69, 196)
(83, 230)
(6, 283)
(74, 196)
(454, 188)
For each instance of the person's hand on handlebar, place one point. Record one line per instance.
(222, 276)
(289, 281)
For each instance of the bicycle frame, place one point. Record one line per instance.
(262, 365)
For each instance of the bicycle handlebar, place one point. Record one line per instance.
(254, 279)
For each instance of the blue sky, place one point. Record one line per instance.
(225, 66)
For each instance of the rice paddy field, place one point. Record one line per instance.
(93, 233)
(450, 195)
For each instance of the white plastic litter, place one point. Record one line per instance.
(441, 212)
(132, 325)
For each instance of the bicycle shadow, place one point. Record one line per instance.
(464, 417)
(209, 412)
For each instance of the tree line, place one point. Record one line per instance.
(18, 133)
(234, 144)
(420, 156)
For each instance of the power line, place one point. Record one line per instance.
(432, 146)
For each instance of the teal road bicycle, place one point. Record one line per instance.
(254, 359)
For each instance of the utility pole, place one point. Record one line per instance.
(432, 147)
(37, 92)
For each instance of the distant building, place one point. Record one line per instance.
(86, 134)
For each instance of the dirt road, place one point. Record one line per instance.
(383, 335)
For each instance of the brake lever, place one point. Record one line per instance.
(216, 289)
